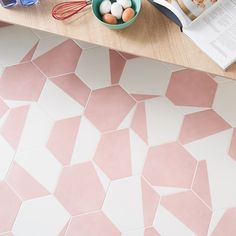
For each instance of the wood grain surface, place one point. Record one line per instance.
(153, 35)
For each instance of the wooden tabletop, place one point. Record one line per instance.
(152, 35)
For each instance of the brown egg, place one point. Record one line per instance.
(109, 19)
(128, 14)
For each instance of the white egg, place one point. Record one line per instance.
(116, 10)
(105, 7)
(125, 3)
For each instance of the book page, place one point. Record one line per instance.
(193, 8)
(174, 7)
(187, 10)
(215, 32)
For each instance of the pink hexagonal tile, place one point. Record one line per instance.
(9, 205)
(227, 225)
(191, 88)
(79, 189)
(60, 60)
(190, 210)
(73, 86)
(151, 232)
(169, 165)
(107, 107)
(14, 124)
(201, 124)
(3, 24)
(24, 184)
(117, 64)
(62, 139)
(150, 203)
(27, 86)
(232, 149)
(113, 154)
(3, 108)
(29, 55)
(139, 122)
(92, 224)
(201, 183)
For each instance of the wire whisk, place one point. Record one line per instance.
(65, 10)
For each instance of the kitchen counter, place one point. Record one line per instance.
(153, 35)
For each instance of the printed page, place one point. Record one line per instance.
(187, 10)
(193, 8)
(215, 32)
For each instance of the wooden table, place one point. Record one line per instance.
(153, 35)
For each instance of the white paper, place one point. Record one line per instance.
(215, 32)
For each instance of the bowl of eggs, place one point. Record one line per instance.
(116, 14)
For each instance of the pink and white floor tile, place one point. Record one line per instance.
(95, 142)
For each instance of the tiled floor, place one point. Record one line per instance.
(94, 142)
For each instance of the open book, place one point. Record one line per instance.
(211, 24)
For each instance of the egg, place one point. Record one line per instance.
(128, 14)
(125, 3)
(105, 7)
(116, 10)
(109, 19)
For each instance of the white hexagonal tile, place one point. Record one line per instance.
(41, 165)
(40, 216)
(164, 121)
(167, 224)
(36, 130)
(139, 232)
(123, 204)
(145, 76)
(6, 156)
(86, 142)
(224, 102)
(138, 151)
(47, 43)
(219, 79)
(173, 67)
(57, 104)
(94, 68)
(221, 168)
(42, 34)
(1, 69)
(215, 219)
(85, 45)
(15, 36)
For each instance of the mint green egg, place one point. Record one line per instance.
(136, 5)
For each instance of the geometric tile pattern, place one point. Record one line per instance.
(201, 124)
(24, 184)
(232, 150)
(150, 202)
(77, 187)
(69, 128)
(12, 128)
(191, 88)
(113, 154)
(99, 142)
(28, 86)
(164, 160)
(10, 205)
(226, 225)
(188, 208)
(3, 108)
(92, 224)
